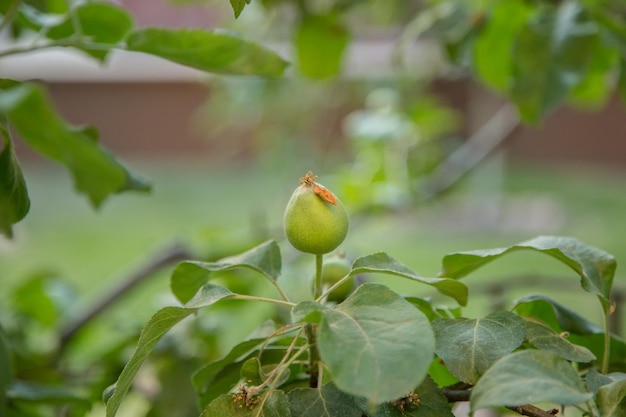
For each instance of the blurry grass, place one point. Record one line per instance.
(219, 211)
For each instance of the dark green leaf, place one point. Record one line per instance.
(160, 323)
(375, 344)
(320, 43)
(382, 263)
(621, 84)
(308, 312)
(431, 311)
(190, 276)
(528, 377)
(96, 173)
(470, 347)
(14, 201)
(276, 404)
(6, 369)
(595, 267)
(32, 299)
(544, 338)
(552, 54)
(102, 23)
(494, 43)
(212, 51)
(238, 6)
(596, 86)
(557, 316)
(326, 401)
(611, 399)
(432, 403)
(251, 372)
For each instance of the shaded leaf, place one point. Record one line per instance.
(14, 201)
(320, 43)
(544, 338)
(327, 401)
(595, 267)
(528, 377)
(47, 394)
(6, 369)
(611, 399)
(190, 276)
(159, 324)
(557, 316)
(469, 347)
(238, 6)
(375, 344)
(594, 380)
(101, 22)
(553, 52)
(275, 405)
(431, 311)
(96, 172)
(206, 50)
(308, 312)
(382, 263)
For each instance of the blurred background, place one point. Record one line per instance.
(427, 161)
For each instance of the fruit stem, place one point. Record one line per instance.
(317, 289)
(607, 340)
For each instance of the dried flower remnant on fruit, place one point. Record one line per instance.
(408, 402)
(246, 396)
(323, 192)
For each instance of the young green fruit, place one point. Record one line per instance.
(333, 270)
(315, 219)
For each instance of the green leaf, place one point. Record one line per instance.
(611, 399)
(207, 295)
(238, 6)
(326, 401)
(33, 299)
(432, 403)
(275, 405)
(14, 201)
(206, 50)
(552, 54)
(375, 344)
(47, 394)
(160, 323)
(594, 380)
(544, 338)
(320, 43)
(527, 377)
(431, 311)
(102, 23)
(96, 173)
(383, 263)
(621, 83)
(469, 347)
(595, 267)
(557, 316)
(494, 43)
(6, 369)
(308, 312)
(190, 276)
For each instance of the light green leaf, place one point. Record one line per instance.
(101, 22)
(594, 380)
(494, 43)
(238, 6)
(382, 263)
(528, 377)
(96, 172)
(206, 50)
(557, 316)
(326, 401)
(595, 267)
(544, 338)
(375, 344)
(14, 201)
(320, 43)
(469, 347)
(275, 405)
(611, 399)
(160, 323)
(190, 276)
(308, 312)
(207, 295)
(552, 55)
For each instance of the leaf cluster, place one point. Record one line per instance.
(378, 353)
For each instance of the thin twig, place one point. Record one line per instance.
(8, 15)
(471, 153)
(173, 254)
